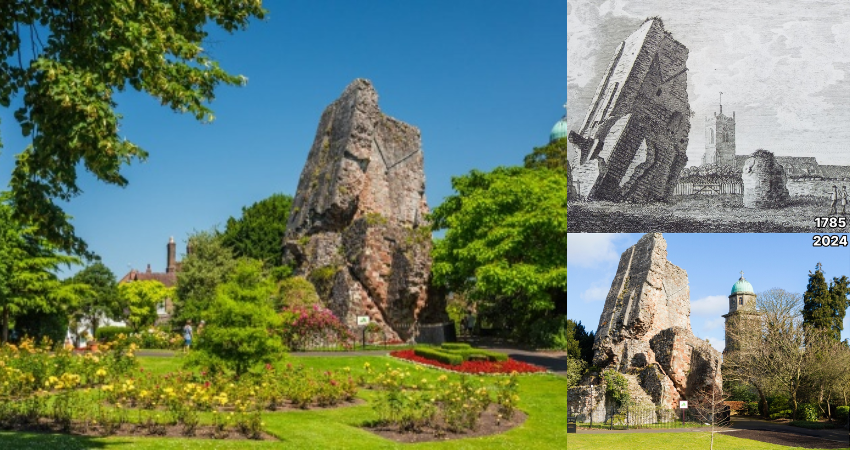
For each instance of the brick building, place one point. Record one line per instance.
(167, 278)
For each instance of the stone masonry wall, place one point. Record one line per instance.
(357, 227)
(636, 133)
(644, 329)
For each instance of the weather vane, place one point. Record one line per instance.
(742, 274)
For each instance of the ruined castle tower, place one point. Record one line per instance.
(645, 331)
(720, 139)
(632, 143)
(358, 228)
(742, 314)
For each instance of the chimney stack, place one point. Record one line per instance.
(171, 254)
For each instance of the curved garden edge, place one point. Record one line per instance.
(401, 355)
(488, 425)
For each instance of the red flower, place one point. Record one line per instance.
(508, 366)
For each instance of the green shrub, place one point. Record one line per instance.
(40, 325)
(239, 332)
(753, 409)
(807, 412)
(842, 412)
(617, 386)
(437, 355)
(784, 414)
(455, 346)
(295, 291)
(548, 333)
(109, 334)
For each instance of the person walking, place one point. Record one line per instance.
(470, 323)
(834, 198)
(187, 336)
(843, 196)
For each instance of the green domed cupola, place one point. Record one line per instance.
(560, 130)
(742, 286)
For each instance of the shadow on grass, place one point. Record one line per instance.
(25, 440)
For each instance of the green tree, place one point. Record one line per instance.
(61, 64)
(138, 299)
(206, 265)
(553, 156)
(258, 234)
(241, 323)
(505, 241)
(102, 299)
(824, 306)
(28, 266)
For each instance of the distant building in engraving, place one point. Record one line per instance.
(720, 139)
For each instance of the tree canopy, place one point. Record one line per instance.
(139, 299)
(824, 306)
(61, 64)
(553, 155)
(28, 266)
(101, 300)
(206, 265)
(506, 232)
(258, 234)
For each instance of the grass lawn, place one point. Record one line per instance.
(666, 441)
(338, 428)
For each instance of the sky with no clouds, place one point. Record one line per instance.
(484, 82)
(782, 65)
(713, 263)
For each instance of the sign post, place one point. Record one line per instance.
(363, 321)
(683, 405)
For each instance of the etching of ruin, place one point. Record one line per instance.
(644, 330)
(632, 144)
(357, 227)
(764, 181)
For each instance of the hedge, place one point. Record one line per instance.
(455, 346)
(842, 412)
(491, 356)
(109, 334)
(437, 355)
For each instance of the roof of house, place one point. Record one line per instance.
(168, 279)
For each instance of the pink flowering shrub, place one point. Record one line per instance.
(311, 327)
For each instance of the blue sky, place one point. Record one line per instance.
(713, 263)
(484, 82)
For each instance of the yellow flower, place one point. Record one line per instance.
(106, 387)
(442, 378)
(365, 365)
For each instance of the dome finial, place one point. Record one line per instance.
(565, 109)
(742, 274)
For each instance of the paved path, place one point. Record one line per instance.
(752, 423)
(656, 430)
(741, 423)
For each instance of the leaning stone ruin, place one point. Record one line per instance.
(632, 143)
(645, 333)
(357, 228)
(765, 182)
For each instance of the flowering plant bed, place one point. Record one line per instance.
(476, 367)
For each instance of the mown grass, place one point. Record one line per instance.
(666, 441)
(339, 428)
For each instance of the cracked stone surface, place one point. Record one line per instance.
(357, 227)
(645, 330)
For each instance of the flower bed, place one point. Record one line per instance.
(476, 367)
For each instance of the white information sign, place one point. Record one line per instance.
(362, 320)
(683, 404)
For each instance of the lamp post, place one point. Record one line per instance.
(591, 406)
